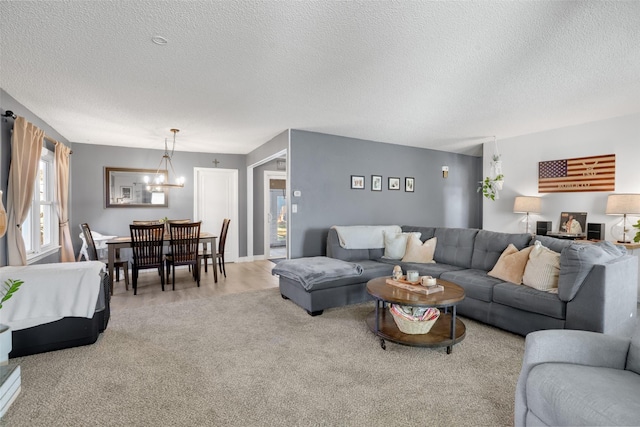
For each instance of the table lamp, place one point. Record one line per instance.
(622, 204)
(527, 204)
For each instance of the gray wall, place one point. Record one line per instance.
(321, 167)
(88, 202)
(7, 102)
(274, 145)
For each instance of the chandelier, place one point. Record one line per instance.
(158, 183)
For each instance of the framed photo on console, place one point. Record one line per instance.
(394, 183)
(376, 182)
(574, 223)
(357, 182)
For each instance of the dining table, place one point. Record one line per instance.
(114, 245)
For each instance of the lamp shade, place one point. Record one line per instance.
(623, 204)
(527, 204)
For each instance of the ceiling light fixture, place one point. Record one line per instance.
(158, 183)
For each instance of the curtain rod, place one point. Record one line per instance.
(12, 115)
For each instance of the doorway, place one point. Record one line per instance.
(275, 214)
(216, 198)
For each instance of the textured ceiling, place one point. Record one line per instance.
(442, 75)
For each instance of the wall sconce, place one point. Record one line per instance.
(445, 172)
(527, 204)
(622, 204)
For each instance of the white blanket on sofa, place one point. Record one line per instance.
(364, 236)
(51, 292)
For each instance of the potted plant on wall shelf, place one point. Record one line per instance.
(7, 290)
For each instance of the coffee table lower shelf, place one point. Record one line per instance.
(438, 336)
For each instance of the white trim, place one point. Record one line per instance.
(250, 195)
(35, 257)
(268, 175)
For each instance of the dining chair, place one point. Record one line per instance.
(179, 221)
(92, 253)
(205, 254)
(147, 242)
(185, 238)
(221, 244)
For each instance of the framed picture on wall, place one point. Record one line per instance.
(125, 192)
(394, 183)
(408, 184)
(376, 182)
(357, 182)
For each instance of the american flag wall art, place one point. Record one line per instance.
(596, 173)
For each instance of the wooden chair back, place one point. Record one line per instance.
(185, 238)
(223, 235)
(91, 244)
(147, 245)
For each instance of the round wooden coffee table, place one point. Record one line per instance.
(448, 329)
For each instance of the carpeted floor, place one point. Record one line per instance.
(254, 359)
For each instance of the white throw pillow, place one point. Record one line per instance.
(418, 251)
(395, 244)
(542, 269)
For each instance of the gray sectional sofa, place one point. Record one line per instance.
(597, 288)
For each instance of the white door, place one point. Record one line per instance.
(216, 198)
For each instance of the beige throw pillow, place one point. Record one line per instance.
(418, 251)
(395, 244)
(511, 264)
(542, 269)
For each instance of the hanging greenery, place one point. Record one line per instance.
(491, 186)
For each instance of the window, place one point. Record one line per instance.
(40, 229)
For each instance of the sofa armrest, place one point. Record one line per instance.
(567, 346)
(607, 299)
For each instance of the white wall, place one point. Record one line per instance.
(520, 157)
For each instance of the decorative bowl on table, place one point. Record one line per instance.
(414, 320)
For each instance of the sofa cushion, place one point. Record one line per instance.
(424, 269)
(567, 394)
(633, 358)
(529, 299)
(370, 270)
(425, 232)
(542, 269)
(455, 246)
(395, 244)
(553, 243)
(476, 283)
(334, 250)
(511, 264)
(489, 245)
(418, 251)
(576, 262)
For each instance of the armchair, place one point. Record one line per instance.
(572, 377)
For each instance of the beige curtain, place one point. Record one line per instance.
(62, 200)
(26, 148)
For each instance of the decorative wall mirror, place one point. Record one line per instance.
(127, 188)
